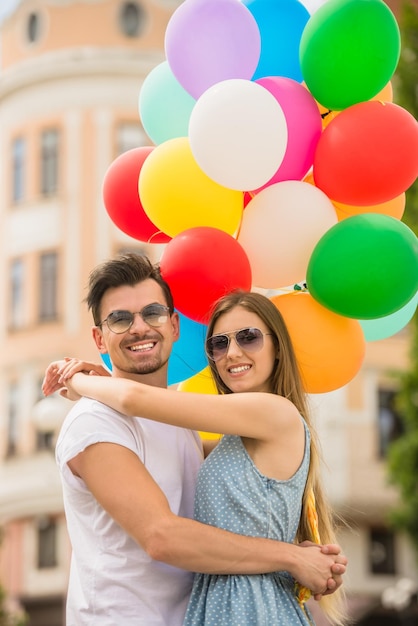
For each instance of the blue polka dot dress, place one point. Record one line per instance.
(232, 494)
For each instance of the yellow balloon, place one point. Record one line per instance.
(202, 382)
(177, 195)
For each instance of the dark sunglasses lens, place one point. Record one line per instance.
(217, 346)
(120, 321)
(155, 314)
(250, 339)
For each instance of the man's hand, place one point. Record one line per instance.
(320, 568)
(338, 569)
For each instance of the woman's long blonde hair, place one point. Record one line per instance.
(286, 381)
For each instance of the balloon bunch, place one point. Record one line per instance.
(279, 160)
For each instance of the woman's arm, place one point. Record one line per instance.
(255, 415)
(52, 381)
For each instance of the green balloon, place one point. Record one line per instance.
(349, 51)
(365, 267)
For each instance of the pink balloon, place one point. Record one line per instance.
(304, 126)
(208, 41)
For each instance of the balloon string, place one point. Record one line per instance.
(193, 369)
(303, 593)
(158, 232)
(239, 226)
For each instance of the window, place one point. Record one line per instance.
(45, 437)
(389, 421)
(140, 250)
(49, 162)
(382, 551)
(33, 27)
(48, 287)
(130, 136)
(47, 543)
(132, 19)
(16, 294)
(12, 428)
(18, 158)
(45, 441)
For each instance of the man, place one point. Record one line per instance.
(129, 483)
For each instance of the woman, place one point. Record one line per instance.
(261, 477)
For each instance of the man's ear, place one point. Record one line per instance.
(99, 339)
(175, 323)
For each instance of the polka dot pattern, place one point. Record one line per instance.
(233, 494)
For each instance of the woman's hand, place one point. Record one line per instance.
(68, 391)
(59, 372)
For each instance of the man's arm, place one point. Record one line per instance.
(125, 489)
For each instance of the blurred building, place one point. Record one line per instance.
(69, 84)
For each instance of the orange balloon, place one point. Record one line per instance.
(329, 348)
(309, 178)
(202, 382)
(326, 114)
(328, 117)
(393, 208)
(385, 94)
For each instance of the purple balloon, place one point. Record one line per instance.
(208, 41)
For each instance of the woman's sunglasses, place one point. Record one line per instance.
(120, 321)
(248, 339)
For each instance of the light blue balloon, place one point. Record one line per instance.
(106, 361)
(384, 327)
(281, 23)
(188, 355)
(164, 106)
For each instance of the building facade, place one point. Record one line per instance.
(71, 71)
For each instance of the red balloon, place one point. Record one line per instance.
(248, 196)
(201, 265)
(368, 154)
(121, 197)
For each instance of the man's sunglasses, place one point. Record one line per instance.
(248, 339)
(153, 314)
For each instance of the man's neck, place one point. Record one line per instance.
(155, 379)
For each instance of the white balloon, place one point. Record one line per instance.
(313, 5)
(280, 227)
(238, 134)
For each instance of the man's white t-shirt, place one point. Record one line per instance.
(113, 582)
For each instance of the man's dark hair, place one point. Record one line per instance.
(126, 269)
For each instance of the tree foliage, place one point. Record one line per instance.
(403, 453)
(7, 618)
